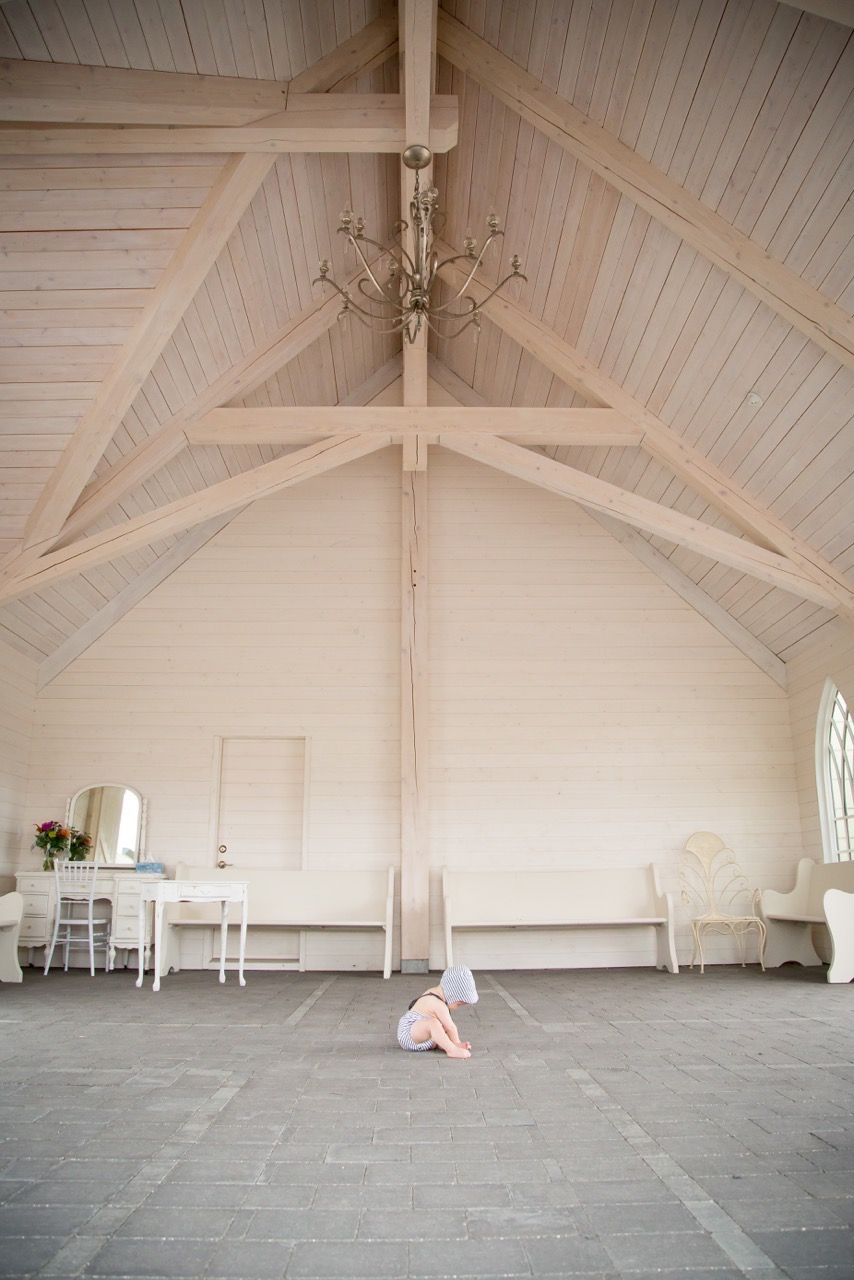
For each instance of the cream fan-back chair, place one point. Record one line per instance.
(715, 888)
(81, 918)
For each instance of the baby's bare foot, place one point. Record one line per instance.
(457, 1051)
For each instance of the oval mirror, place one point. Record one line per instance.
(113, 816)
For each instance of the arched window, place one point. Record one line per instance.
(835, 775)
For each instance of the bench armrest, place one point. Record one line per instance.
(794, 903)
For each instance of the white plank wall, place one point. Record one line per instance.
(581, 713)
(17, 708)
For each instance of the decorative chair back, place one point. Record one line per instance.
(75, 879)
(712, 881)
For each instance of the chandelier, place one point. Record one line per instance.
(401, 300)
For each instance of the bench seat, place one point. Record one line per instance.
(624, 897)
(790, 917)
(292, 900)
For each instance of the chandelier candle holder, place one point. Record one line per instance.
(402, 302)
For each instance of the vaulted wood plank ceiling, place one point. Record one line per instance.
(675, 174)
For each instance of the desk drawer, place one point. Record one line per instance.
(201, 889)
(33, 884)
(35, 904)
(33, 931)
(127, 905)
(126, 931)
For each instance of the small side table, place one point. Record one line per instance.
(221, 891)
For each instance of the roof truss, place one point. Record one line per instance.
(200, 116)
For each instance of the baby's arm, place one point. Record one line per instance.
(447, 1022)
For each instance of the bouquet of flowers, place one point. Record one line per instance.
(59, 841)
(79, 844)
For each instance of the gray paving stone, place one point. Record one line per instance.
(574, 1255)
(591, 1140)
(260, 1259)
(808, 1246)
(27, 1255)
(361, 1260)
(683, 1251)
(438, 1258)
(484, 1224)
(408, 1224)
(175, 1223)
(168, 1258)
(303, 1224)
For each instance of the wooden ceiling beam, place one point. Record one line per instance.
(101, 494)
(666, 523)
(80, 95)
(216, 219)
(638, 546)
(187, 512)
(694, 595)
(579, 427)
(804, 307)
(210, 229)
(360, 122)
(176, 556)
(841, 11)
(684, 461)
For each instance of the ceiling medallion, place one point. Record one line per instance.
(402, 301)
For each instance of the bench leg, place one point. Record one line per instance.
(789, 940)
(839, 913)
(665, 939)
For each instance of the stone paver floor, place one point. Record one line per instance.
(612, 1123)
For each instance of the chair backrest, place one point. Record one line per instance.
(76, 879)
(712, 882)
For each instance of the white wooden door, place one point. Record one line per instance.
(261, 802)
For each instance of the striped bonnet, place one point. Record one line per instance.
(458, 985)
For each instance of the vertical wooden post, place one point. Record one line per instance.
(417, 41)
(414, 736)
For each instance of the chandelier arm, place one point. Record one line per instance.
(366, 267)
(369, 321)
(352, 307)
(445, 309)
(386, 300)
(464, 257)
(442, 332)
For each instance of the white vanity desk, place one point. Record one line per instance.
(206, 891)
(123, 886)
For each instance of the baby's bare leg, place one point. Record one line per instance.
(432, 1029)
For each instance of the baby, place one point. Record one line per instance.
(427, 1024)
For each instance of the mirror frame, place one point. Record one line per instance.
(143, 804)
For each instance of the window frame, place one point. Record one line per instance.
(832, 700)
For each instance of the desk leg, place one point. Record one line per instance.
(141, 939)
(242, 945)
(223, 939)
(158, 942)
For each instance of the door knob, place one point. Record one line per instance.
(222, 863)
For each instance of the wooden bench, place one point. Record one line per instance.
(624, 897)
(291, 900)
(823, 894)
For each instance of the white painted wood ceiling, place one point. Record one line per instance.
(677, 176)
